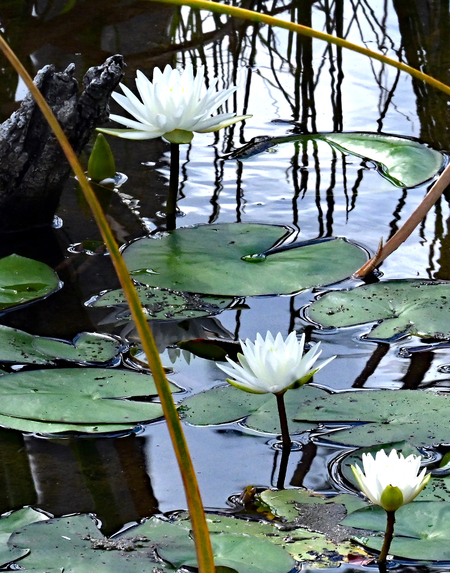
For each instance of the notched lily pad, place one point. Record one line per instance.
(239, 260)
(162, 304)
(8, 524)
(226, 404)
(88, 397)
(421, 530)
(380, 416)
(23, 280)
(404, 162)
(416, 307)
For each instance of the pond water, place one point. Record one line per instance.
(290, 85)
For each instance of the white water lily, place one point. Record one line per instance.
(172, 106)
(273, 365)
(391, 481)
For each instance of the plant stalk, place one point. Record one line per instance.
(200, 530)
(387, 540)
(171, 205)
(286, 440)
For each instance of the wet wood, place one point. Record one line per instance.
(33, 169)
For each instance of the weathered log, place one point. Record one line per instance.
(33, 168)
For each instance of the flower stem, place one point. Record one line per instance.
(387, 539)
(286, 439)
(171, 208)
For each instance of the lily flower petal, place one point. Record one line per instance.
(384, 478)
(272, 365)
(170, 104)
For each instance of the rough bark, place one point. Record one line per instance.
(33, 168)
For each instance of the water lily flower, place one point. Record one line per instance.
(390, 481)
(273, 365)
(172, 106)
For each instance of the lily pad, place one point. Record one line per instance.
(381, 416)
(239, 551)
(162, 304)
(88, 347)
(8, 524)
(239, 260)
(24, 280)
(86, 396)
(404, 162)
(421, 530)
(226, 404)
(69, 544)
(417, 307)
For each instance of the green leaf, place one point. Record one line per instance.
(24, 280)
(88, 396)
(8, 524)
(88, 347)
(417, 307)
(225, 404)
(69, 544)
(162, 304)
(404, 162)
(245, 549)
(383, 416)
(101, 163)
(421, 530)
(209, 259)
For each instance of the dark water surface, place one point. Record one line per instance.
(287, 83)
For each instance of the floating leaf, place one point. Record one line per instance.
(24, 280)
(69, 544)
(87, 396)
(404, 162)
(382, 416)
(421, 530)
(8, 524)
(416, 307)
(225, 404)
(209, 259)
(88, 347)
(162, 304)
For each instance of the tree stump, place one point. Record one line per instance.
(33, 167)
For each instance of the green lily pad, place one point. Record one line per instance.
(243, 552)
(162, 304)
(421, 530)
(88, 347)
(74, 545)
(50, 428)
(226, 404)
(404, 162)
(238, 260)
(24, 280)
(417, 307)
(383, 416)
(8, 524)
(87, 396)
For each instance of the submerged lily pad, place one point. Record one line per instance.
(404, 162)
(239, 260)
(421, 530)
(88, 347)
(162, 304)
(417, 307)
(84, 396)
(24, 280)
